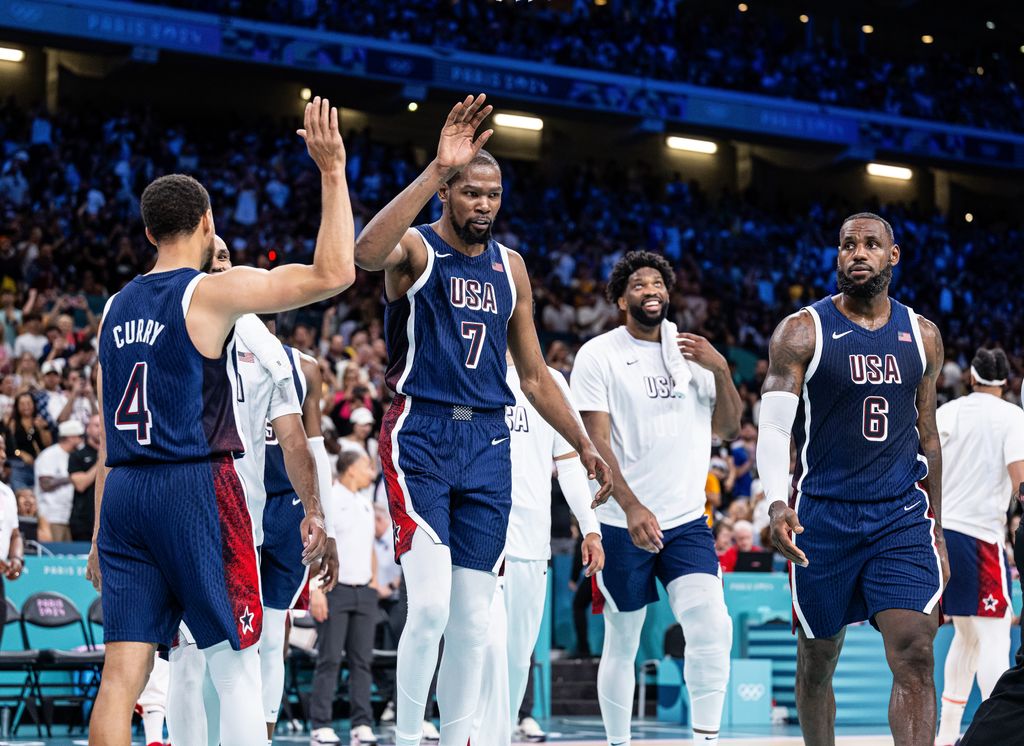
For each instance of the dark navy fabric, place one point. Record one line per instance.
(163, 402)
(200, 565)
(281, 569)
(630, 572)
(275, 476)
(856, 426)
(979, 577)
(451, 476)
(863, 558)
(447, 336)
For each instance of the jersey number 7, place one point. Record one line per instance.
(133, 411)
(476, 333)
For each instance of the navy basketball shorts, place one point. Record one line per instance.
(864, 557)
(176, 542)
(627, 582)
(448, 473)
(281, 570)
(979, 577)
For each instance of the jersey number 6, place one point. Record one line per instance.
(133, 411)
(876, 419)
(476, 333)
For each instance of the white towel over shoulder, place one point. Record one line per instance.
(678, 366)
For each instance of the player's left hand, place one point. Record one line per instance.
(599, 470)
(697, 348)
(314, 538)
(593, 555)
(92, 568)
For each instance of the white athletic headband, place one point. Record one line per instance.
(984, 381)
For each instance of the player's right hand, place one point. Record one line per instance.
(644, 529)
(314, 538)
(457, 148)
(784, 523)
(318, 606)
(328, 569)
(322, 136)
(92, 568)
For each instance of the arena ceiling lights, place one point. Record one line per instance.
(886, 171)
(7, 54)
(691, 145)
(519, 122)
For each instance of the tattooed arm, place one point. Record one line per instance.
(929, 431)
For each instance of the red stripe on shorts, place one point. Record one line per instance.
(991, 590)
(597, 603)
(402, 524)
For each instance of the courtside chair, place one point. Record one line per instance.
(17, 683)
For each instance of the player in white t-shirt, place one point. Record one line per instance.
(650, 399)
(982, 466)
(522, 588)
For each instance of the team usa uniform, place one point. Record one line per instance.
(444, 444)
(176, 538)
(868, 525)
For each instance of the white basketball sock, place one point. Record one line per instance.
(236, 677)
(272, 661)
(616, 674)
(153, 724)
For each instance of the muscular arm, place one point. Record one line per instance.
(926, 425)
(789, 352)
(599, 428)
(92, 571)
(298, 461)
(725, 421)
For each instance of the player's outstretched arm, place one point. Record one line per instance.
(540, 388)
(789, 353)
(928, 430)
(380, 244)
(221, 298)
(301, 469)
(92, 567)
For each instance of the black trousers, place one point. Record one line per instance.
(581, 607)
(1000, 719)
(348, 631)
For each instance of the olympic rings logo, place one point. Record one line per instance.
(750, 692)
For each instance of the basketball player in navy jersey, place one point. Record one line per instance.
(853, 377)
(456, 300)
(173, 538)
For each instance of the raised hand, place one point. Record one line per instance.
(322, 136)
(457, 146)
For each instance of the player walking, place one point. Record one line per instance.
(650, 399)
(856, 374)
(983, 457)
(456, 300)
(174, 539)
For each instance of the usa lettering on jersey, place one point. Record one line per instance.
(873, 369)
(472, 295)
(517, 419)
(137, 331)
(659, 387)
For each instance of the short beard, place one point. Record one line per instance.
(641, 316)
(875, 286)
(468, 235)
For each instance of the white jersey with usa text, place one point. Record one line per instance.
(662, 443)
(981, 435)
(259, 402)
(535, 445)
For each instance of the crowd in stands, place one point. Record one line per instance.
(70, 235)
(766, 51)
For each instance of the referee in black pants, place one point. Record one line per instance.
(999, 720)
(347, 616)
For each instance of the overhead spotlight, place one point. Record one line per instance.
(7, 54)
(413, 106)
(890, 172)
(600, 2)
(969, 217)
(867, 28)
(980, 70)
(804, 18)
(691, 145)
(742, 7)
(927, 39)
(990, 25)
(517, 121)
(305, 94)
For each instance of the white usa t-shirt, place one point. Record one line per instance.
(662, 444)
(535, 445)
(981, 435)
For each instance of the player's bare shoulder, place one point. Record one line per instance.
(934, 351)
(791, 349)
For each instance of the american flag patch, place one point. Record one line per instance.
(498, 267)
(246, 357)
(904, 337)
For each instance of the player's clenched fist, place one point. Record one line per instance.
(322, 136)
(784, 523)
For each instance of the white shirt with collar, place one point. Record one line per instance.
(8, 519)
(353, 519)
(54, 505)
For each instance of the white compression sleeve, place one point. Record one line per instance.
(266, 347)
(236, 677)
(492, 709)
(616, 674)
(774, 429)
(188, 721)
(272, 661)
(572, 478)
(324, 480)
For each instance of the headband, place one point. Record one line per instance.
(986, 382)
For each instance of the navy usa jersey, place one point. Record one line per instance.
(856, 426)
(275, 477)
(447, 336)
(163, 401)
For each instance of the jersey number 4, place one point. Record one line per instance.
(476, 333)
(876, 418)
(133, 411)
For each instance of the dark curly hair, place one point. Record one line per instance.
(629, 264)
(991, 365)
(173, 205)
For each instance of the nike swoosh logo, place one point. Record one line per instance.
(837, 336)
(495, 441)
(632, 362)
(908, 508)
(441, 256)
(296, 501)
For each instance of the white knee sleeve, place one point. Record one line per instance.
(616, 674)
(698, 604)
(272, 661)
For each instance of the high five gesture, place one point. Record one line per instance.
(459, 143)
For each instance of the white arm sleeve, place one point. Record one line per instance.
(324, 480)
(778, 412)
(572, 478)
(265, 346)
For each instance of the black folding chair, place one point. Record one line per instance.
(21, 665)
(51, 610)
(95, 618)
